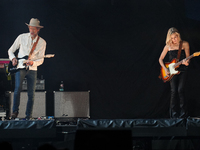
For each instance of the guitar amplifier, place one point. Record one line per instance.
(40, 85)
(39, 106)
(71, 104)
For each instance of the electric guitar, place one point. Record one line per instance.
(21, 63)
(172, 67)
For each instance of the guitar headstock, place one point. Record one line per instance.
(196, 54)
(49, 55)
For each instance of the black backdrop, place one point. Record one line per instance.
(111, 48)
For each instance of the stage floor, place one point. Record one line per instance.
(66, 133)
(147, 127)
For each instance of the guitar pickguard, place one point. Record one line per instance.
(21, 64)
(172, 69)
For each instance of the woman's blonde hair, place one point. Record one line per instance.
(169, 33)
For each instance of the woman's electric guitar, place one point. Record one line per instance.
(21, 63)
(172, 67)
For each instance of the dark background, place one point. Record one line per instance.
(110, 47)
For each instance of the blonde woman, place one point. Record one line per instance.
(178, 105)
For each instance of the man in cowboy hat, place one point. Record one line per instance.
(33, 46)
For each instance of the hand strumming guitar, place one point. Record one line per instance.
(14, 61)
(167, 71)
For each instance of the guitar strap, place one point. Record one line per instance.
(179, 51)
(33, 48)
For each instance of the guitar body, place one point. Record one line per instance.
(172, 67)
(172, 70)
(20, 65)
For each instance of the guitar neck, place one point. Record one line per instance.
(180, 62)
(45, 56)
(38, 58)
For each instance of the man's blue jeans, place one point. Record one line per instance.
(31, 76)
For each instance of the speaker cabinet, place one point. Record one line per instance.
(71, 104)
(39, 106)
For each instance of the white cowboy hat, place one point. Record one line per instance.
(35, 23)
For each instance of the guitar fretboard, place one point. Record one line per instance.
(180, 62)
